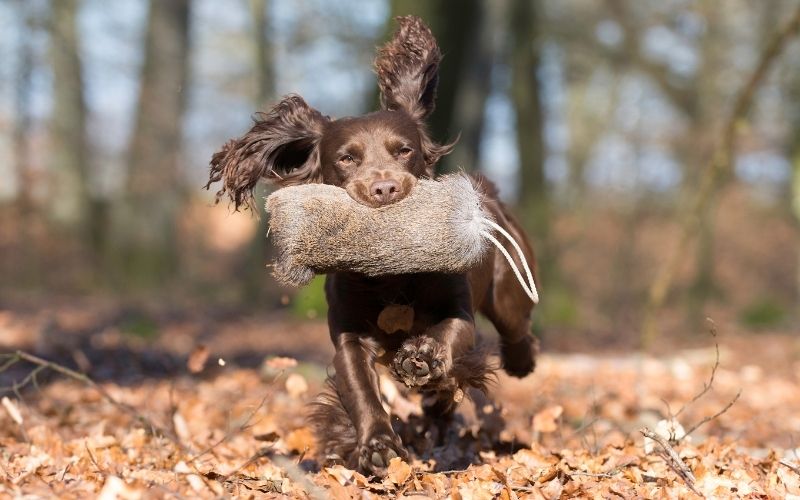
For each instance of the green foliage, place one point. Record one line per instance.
(309, 302)
(139, 325)
(763, 313)
(557, 308)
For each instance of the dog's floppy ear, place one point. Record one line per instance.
(408, 69)
(281, 147)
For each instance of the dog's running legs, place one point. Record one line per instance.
(357, 385)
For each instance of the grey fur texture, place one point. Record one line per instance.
(318, 228)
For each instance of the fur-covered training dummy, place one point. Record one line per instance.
(440, 226)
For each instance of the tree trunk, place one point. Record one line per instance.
(714, 176)
(795, 187)
(525, 93)
(455, 30)
(265, 77)
(22, 113)
(793, 152)
(68, 199)
(145, 223)
(476, 84)
(259, 252)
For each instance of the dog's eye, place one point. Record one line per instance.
(405, 152)
(346, 160)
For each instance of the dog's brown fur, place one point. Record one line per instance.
(378, 158)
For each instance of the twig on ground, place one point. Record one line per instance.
(93, 459)
(261, 453)
(672, 459)
(296, 474)
(585, 425)
(598, 475)
(706, 385)
(445, 472)
(712, 417)
(173, 409)
(791, 467)
(161, 487)
(64, 471)
(5, 471)
(43, 364)
(232, 432)
(603, 475)
(12, 359)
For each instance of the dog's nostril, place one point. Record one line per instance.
(385, 190)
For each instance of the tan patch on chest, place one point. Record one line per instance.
(396, 318)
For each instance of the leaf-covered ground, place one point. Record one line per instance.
(203, 408)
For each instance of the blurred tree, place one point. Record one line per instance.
(475, 84)
(698, 95)
(256, 278)
(717, 171)
(25, 263)
(22, 112)
(263, 65)
(455, 28)
(69, 192)
(526, 95)
(144, 223)
(793, 150)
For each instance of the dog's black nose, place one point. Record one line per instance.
(385, 191)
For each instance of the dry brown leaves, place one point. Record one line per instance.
(575, 425)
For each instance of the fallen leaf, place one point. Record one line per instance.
(197, 359)
(398, 471)
(194, 480)
(181, 427)
(547, 419)
(671, 430)
(12, 410)
(396, 318)
(300, 440)
(115, 488)
(269, 437)
(296, 385)
(398, 404)
(479, 490)
(341, 474)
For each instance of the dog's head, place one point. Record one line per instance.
(377, 157)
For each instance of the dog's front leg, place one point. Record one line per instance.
(357, 385)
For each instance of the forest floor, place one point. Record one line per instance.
(199, 405)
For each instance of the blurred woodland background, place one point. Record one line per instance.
(651, 148)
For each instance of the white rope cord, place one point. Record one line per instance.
(510, 238)
(530, 286)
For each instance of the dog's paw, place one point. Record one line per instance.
(420, 361)
(375, 454)
(519, 357)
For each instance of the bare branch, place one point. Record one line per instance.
(683, 97)
(43, 364)
(791, 467)
(714, 173)
(712, 417)
(232, 432)
(672, 459)
(93, 459)
(261, 453)
(706, 386)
